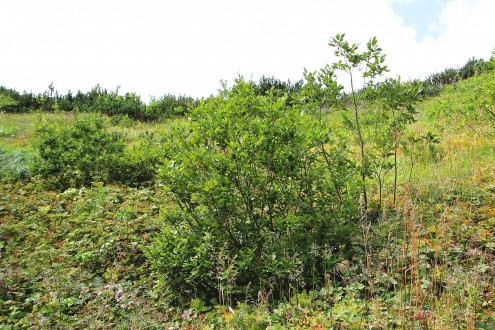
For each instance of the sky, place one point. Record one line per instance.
(158, 47)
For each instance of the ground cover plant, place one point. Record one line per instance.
(267, 206)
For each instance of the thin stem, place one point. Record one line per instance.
(361, 144)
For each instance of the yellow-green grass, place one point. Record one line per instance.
(18, 130)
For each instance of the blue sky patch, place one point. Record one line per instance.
(423, 15)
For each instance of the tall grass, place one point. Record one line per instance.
(16, 164)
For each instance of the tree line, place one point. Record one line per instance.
(110, 102)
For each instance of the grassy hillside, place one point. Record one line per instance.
(77, 257)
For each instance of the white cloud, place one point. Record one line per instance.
(154, 47)
(466, 31)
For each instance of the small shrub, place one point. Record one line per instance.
(78, 153)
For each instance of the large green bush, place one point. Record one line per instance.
(265, 200)
(78, 153)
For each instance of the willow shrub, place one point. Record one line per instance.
(266, 201)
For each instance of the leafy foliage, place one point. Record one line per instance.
(260, 189)
(74, 259)
(78, 153)
(321, 92)
(169, 106)
(473, 98)
(370, 65)
(139, 164)
(435, 82)
(114, 104)
(397, 100)
(14, 102)
(279, 88)
(7, 102)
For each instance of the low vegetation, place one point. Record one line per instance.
(269, 205)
